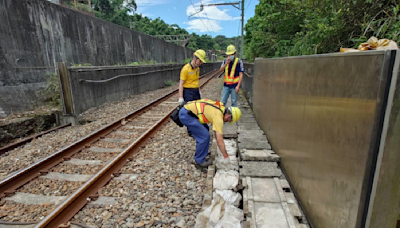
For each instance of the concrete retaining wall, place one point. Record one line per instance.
(94, 86)
(35, 34)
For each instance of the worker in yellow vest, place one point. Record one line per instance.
(189, 83)
(233, 77)
(196, 113)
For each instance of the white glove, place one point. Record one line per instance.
(226, 161)
(181, 101)
(200, 94)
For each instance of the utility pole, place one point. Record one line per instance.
(234, 5)
(241, 50)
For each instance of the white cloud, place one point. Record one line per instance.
(203, 25)
(150, 2)
(210, 12)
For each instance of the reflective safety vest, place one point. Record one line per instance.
(200, 104)
(230, 79)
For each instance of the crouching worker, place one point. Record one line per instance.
(196, 113)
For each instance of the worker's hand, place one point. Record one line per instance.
(226, 162)
(237, 89)
(200, 94)
(181, 101)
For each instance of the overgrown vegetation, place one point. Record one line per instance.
(81, 64)
(297, 27)
(169, 82)
(51, 93)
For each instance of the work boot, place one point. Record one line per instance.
(204, 164)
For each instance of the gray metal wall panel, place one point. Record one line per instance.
(384, 207)
(321, 114)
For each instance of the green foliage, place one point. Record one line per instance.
(51, 93)
(188, 60)
(115, 11)
(81, 64)
(286, 28)
(169, 82)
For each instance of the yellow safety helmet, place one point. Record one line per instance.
(236, 114)
(201, 54)
(230, 50)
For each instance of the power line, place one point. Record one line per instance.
(247, 6)
(208, 19)
(201, 19)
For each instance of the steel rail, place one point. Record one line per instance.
(74, 203)
(18, 179)
(28, 139)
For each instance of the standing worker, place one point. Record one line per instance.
(234, 69)
(196, 113)
(189, 83)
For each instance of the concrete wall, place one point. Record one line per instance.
(94, 86)
(35, 34)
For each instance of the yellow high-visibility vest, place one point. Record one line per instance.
(230, 78)
(200, 104)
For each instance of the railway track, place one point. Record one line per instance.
(110, 148)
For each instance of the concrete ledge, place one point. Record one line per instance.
(259, 155)
(259, 169)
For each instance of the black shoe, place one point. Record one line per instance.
(204, 164)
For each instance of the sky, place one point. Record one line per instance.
(213, 20)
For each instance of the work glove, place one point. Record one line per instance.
(181, 101)
(226, 162)
(200, 93)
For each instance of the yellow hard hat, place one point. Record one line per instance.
(236, 114)
(230, 50)
(201, 54)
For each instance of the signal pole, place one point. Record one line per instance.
(241, 50)
(237, 7)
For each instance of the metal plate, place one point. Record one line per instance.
(321, 114)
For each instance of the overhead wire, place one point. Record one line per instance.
(201, 19)
(208, 19)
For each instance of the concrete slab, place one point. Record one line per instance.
(251, 132)
(31, 199)
(241, 138)
(74, 161)
(230, 146)
(105, 150)
(230, 131)
(254, 145)
(125, 132)
(135, 127)
(104, 200)
(115, 140)
(247, 120)
(263, 190)
(270, 215)
(259, 155)
(248, 126)
(127, 177)
(66, 177)
(259, 169)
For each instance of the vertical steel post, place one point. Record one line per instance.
(65, 88)
(241, 50)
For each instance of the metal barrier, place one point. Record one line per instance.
(334, 121)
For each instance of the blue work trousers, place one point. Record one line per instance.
(200, 133)
(226, 91)
(191, 94)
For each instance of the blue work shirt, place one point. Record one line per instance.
(239, 68)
